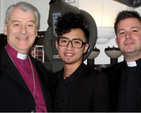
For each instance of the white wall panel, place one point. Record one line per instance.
(2, 15)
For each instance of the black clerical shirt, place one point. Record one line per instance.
(127, 90)
(126, 96)
(63, 91)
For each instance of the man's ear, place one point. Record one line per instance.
(86, 48)
(56, 43)
(5, 29)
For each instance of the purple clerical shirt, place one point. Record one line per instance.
(23, 64)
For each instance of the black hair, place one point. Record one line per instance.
(124, 15)
(70, 21)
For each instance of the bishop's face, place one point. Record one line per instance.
(21, 30)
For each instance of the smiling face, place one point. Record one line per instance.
(21, 30)
(129, 38)
(69, 54)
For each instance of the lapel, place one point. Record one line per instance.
(11, 70)
(78, 80)
(114, 80)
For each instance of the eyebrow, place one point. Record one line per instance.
(20, 21)
(135, 27)
(131, 28)
(120, 30)
(15, 21)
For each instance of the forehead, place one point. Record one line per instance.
(128, 23)
(75, 33)
(18, 14)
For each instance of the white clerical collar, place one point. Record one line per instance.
(21, 56)
(131, 64)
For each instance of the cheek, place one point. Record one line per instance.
(32, 34)
(33, 39)
(120, 41)
(12, 32)
(60, 50)
(138, 39)
(80, 52)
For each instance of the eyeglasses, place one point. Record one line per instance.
(76, 42)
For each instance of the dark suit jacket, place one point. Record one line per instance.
(14, 93)
(89, 90)
(114, 75)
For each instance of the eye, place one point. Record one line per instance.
(29, 25)
(77, 41)
(63, 41)
(16, 25)
(121, 33)
(135, 30)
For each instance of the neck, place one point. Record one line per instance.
(131, 58)
(69, 69)
(14, 54)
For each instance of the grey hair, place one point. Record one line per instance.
(25, 7)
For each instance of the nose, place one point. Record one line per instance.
(128, 34)
(23, 30)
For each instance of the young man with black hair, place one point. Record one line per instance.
(77, 87)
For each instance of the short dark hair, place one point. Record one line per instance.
(124, 15)
(70, 21)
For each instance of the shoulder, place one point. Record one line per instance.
(37, 63)
(94, 74)
(40, 68)
(4, 57)
(114, 72)
(34, 59)
(53, 79)
(114, 67)
(93, 71)
(3, 52)
(55, 75)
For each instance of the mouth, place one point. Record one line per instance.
(22, 38)
(68, 54)
(129, 43)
